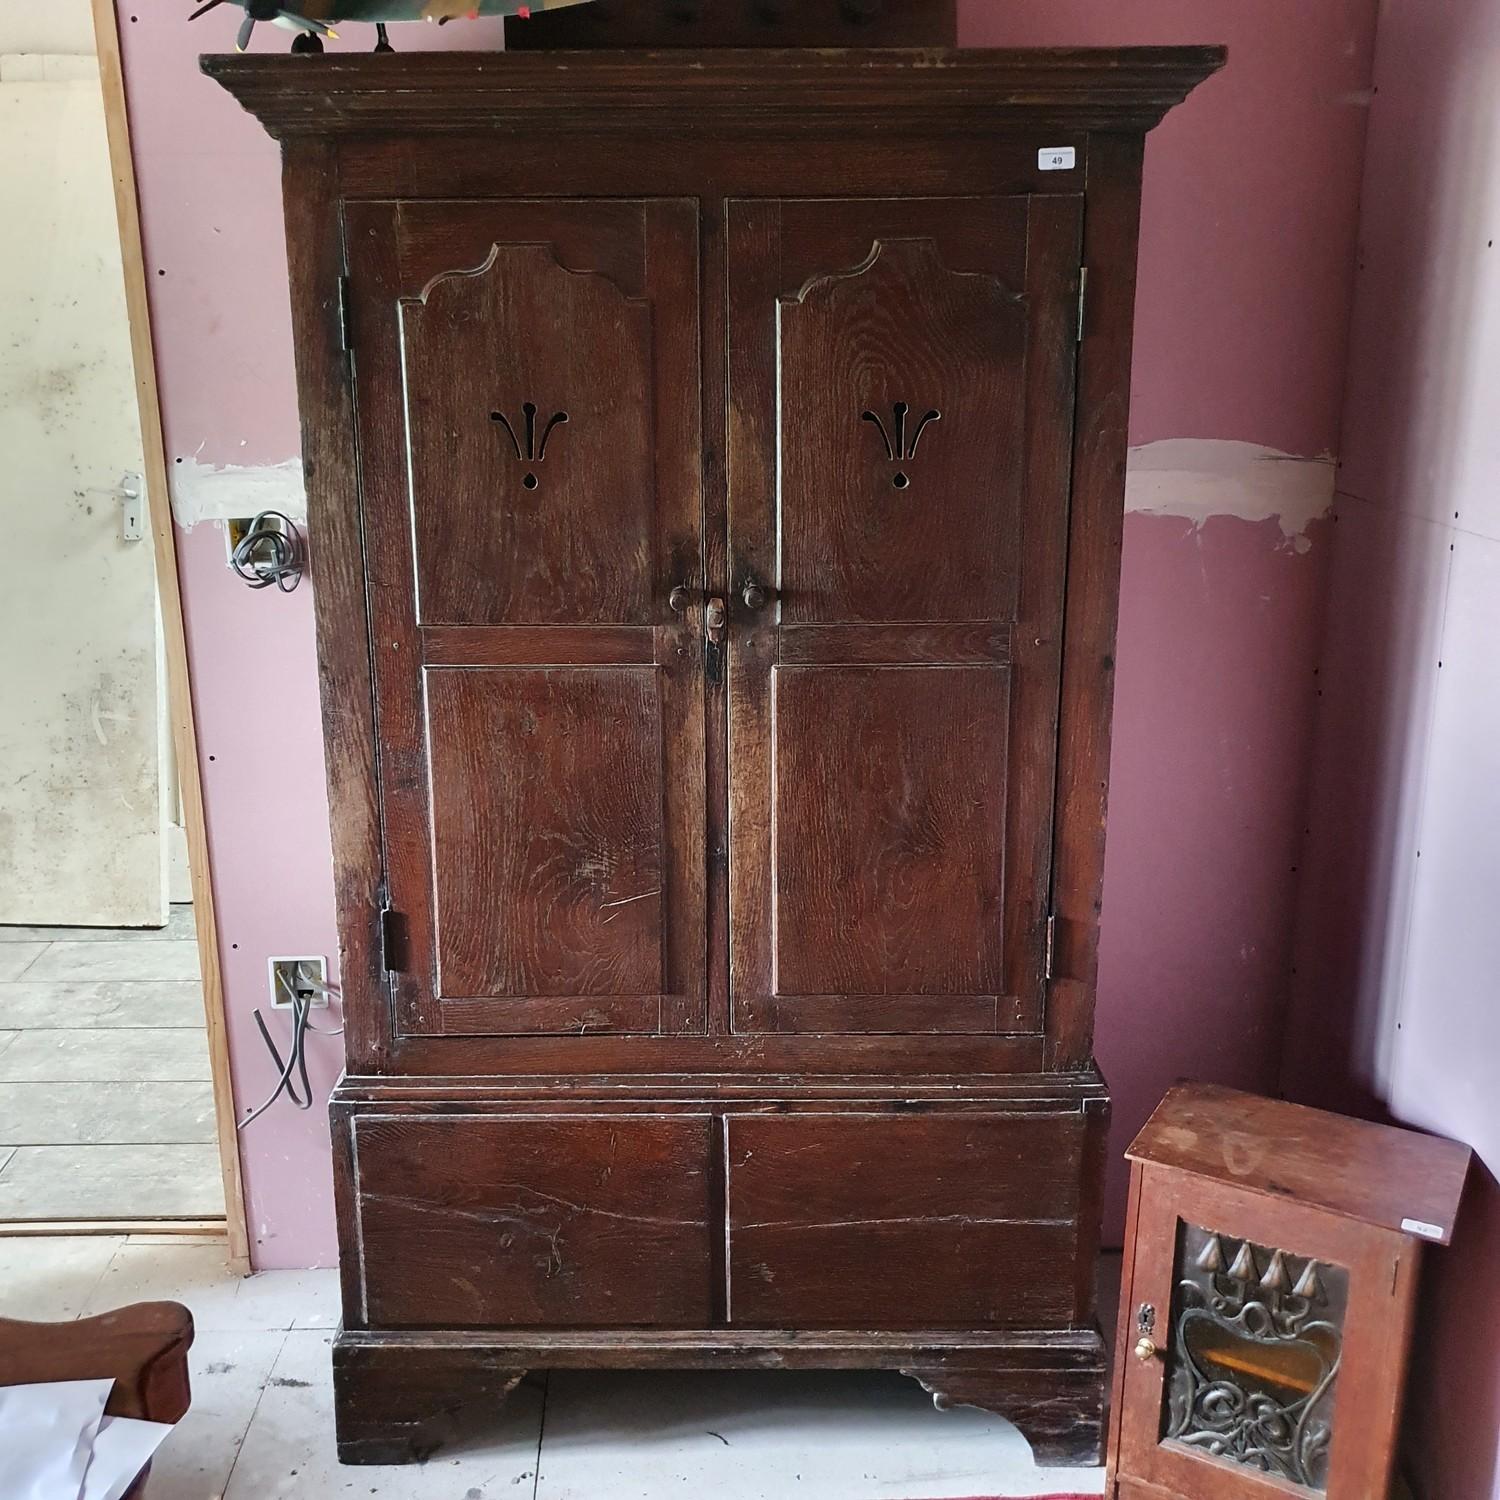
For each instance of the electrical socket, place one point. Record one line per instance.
(237, 528)
(288, 977)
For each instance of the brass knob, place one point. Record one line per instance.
(1146, 1350)
(754, 595)
(680, 598)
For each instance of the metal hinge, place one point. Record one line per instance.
(344, 345)
(1051, 946)
(388, 955)
(1083, 297)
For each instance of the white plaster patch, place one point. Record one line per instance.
(202, 492)
(1195, 478)
(1198, 478)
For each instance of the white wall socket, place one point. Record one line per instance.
(289, 976)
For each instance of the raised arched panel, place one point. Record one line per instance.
(902, 400)
(532, 481)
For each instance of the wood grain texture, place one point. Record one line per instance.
(1061, 1415)
(1377, 1174)
(889, 831)
(395, 1405)
(543, 818)
(900, 514)
(736, 94)
(1100, 443)
(144, 1347)
(899, 462)
(533, 486)
(391, 1388)
(547, 831)
(478, 1221)
(316, 253)
(937, 1220)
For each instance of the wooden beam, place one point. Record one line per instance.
(179, 687)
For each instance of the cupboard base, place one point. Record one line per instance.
(396, 1394)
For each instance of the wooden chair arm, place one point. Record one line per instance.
(144, 1347)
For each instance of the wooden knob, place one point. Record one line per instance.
(754, 596)
(680, 598)
(1146, 1350)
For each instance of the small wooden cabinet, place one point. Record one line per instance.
(715, 466)
(1268, 1299)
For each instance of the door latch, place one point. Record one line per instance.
(715, 624)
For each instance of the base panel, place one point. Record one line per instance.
(395, 1393)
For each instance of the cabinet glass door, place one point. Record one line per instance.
(1252, 1355)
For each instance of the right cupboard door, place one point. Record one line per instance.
(901, 377)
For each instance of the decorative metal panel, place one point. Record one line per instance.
(1253, 1355)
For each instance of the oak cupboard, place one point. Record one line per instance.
(715, 465)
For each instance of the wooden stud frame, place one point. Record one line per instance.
(179, 686)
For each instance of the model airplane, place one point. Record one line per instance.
(311, 20)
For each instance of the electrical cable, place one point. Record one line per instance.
(269, 553)
(296, 1058)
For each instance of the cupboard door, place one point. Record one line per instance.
(901, 398)
(527, 391)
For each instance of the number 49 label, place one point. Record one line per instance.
(1057, 158)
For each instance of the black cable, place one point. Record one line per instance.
(269, 554)
(296, 1058)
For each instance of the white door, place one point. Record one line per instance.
(82, 728)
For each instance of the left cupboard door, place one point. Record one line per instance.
(527, 389)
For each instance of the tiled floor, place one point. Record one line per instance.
(261, 1423)
(106, 1110)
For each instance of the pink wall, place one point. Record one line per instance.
(1245, 284)
(1395, 1006)
(1247, 250)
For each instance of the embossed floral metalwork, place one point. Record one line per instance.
(1256, 1344)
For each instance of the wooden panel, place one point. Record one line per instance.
(901, 402)
(896, 645)
(1100, 446)
(471, 646)
(547, 831)
(899, 443)
(1385, 1176)
(923, 1220)
(527, 425)
(470, 1221)
(540, 704)
(890, 810)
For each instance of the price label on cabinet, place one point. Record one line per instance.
(1057, 158)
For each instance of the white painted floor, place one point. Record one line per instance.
(261, 1425)
(106, 1108)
